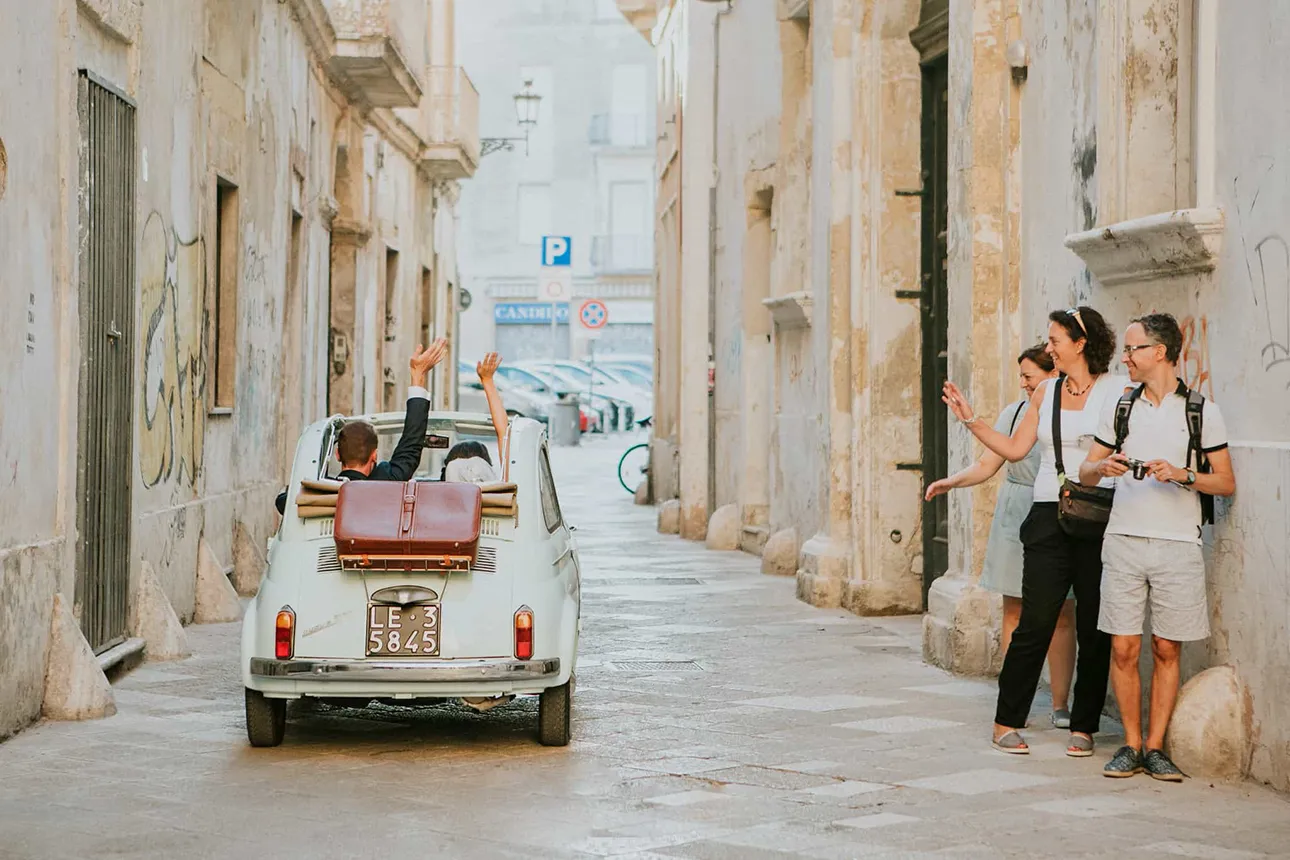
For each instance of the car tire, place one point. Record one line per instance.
(555, 711)
(266, 719)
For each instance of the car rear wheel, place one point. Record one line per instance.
(555, 709)
(266, 719)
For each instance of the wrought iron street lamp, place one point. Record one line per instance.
(527, 104)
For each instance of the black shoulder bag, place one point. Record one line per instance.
(1082, 512)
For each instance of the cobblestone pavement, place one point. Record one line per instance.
(716, 717)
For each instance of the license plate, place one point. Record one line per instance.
(403, 631)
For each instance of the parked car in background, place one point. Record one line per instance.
(630, 374)
(627, 402)
(593, 417)
(641, 364)
(524, 401)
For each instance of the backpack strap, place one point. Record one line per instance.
(1195, 424)
(1195, 453)
(1123, 409)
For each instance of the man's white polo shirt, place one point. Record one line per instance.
(1149, 508)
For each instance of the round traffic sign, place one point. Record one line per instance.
(593, 314)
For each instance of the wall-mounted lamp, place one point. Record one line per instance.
(527, 103)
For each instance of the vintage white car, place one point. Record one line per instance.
(508, 626)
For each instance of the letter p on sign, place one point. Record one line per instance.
(556, 250)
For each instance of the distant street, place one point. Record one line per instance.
(716, 717)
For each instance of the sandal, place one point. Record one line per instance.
(1061, 718)
(1079, 747)
(1010, 742)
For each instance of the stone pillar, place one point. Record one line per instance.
(959, 632)
(1144, 124)
(695, 276)
(826, 556)
(347, 241)
(754, 477)
(885, 328)
(349, 235)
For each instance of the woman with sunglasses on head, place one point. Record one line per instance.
(1081, 345)
(1001, 571)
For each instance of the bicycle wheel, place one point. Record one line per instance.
(633, 465)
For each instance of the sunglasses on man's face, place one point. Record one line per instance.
(1130, 349)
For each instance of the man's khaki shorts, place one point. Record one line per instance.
(1170, 574)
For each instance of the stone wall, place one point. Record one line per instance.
(231, 93)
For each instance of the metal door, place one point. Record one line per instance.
(107, 302)
(935, 313)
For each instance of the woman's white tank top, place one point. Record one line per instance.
(1078, 429)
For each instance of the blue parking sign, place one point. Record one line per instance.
(556, 250)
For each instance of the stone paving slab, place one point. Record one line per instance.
(793, 732)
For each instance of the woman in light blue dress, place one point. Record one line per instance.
(1001, 571)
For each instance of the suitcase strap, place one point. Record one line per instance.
(409, 503)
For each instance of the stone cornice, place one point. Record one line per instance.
(932, 35)
(350, 231)
(1151, 248)
(792, 310)
(397, 132)
(317, 27)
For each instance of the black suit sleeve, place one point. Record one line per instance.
(403, 463)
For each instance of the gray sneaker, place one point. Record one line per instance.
(1159, 766)
(1126, 762)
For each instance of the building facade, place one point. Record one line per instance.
(219, 222)
(585, 171)
(882, 194)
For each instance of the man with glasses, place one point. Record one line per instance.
(1174, 450)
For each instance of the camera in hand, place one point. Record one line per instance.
(1138, 467)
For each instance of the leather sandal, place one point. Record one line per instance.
(1079, 747)
(1010, 742)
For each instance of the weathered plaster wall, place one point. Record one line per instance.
(696, 181)
(886, 331)
(228, 90)
(670, 52)
(796, 463)
(748, 106)
(1239, 353)
(36, 325)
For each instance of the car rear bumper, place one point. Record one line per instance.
(407, 671)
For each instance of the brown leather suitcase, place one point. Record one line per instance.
(420, 525)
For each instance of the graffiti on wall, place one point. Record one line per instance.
(172, 288)
(1193, 363)
(1266, 255)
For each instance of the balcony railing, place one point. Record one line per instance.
(452, 138)
(369, 52)
(622, 255)
(625, 130)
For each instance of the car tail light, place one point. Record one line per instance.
(284, 634)
(524, 633)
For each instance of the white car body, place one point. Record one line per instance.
(530, 560)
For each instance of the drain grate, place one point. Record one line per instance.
(655, 666)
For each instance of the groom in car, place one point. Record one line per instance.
(356, 443)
